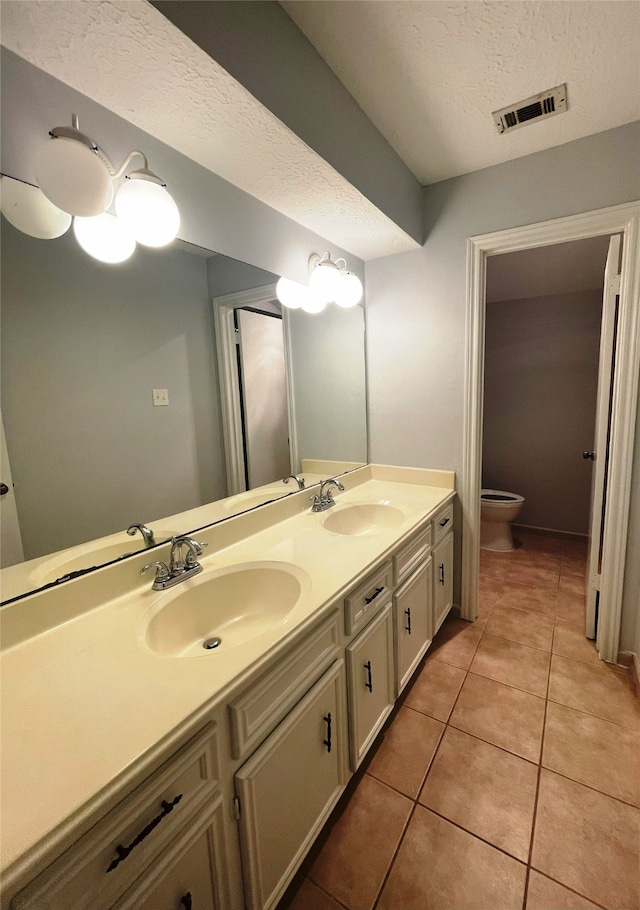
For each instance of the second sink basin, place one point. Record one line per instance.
(360, 518)
(234, 606)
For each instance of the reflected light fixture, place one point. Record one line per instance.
(76, 175)
(328, 281)
(28, 209)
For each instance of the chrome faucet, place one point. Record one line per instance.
(180, 567)
(147, 534)
(324, 500)
(299, 480)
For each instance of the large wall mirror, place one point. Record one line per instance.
(84, 346)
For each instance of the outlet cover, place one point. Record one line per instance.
(160, 397)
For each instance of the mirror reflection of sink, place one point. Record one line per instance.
(234, 605)
(363, 518)
(244, 501)
(83, 558)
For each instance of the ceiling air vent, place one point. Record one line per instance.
(538, 107)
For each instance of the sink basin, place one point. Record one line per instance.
(68, 562)
(363, 518)
(234, 605)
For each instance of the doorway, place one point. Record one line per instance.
(545, 337)
(624, 219)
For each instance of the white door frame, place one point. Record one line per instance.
(624, 219)
(224, 328)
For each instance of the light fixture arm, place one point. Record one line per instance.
(73, 132)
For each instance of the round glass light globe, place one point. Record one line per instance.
(312, 301)
(148, 211)
(290, 293)
(349, 291)
(29, 210)
(73, 177)
(325, 279)
(104, 238)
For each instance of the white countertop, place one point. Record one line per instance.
(85, 698)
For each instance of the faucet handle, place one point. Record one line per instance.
(162, 570)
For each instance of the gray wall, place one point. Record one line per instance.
(416, 300)
(541, 381)
(83, 345)
(329, 389)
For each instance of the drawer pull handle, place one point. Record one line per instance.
(407, 628)
(123, 852)
(327, 741)
(377, 591)
(186, 901)
(369, 683)
(441, 568)
(444, 522)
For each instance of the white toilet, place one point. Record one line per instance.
(497, 510)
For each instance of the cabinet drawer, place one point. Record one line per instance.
(103, 864)
(410, 556)
(365, 600)
(260, 709)
(442, 522)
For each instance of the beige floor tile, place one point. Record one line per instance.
(537, 559)
(456, 643)
(607, 692)
(592, 751)
(494, 565)
(354, 860)
(545, 543)
(588, 842)
(573, 565)
(570, 641)
(528, 597)
(489, 584)
(441, 867)
(577, 549)
(435, 690)
(403, 757)
(544, 894)
(523, 626)
(308, 896)
(487, 791)
(537, 576)
(571, 609)
(512, 664)
(572, 584)
(507, 717)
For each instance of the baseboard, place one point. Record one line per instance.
(550, 532)
(630, 659)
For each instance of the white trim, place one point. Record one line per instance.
(623, 219)
(224, 328)
(291, 392)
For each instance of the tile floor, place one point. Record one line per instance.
(509, 776)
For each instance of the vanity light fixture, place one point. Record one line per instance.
(328, 281)
(104, 237)
(77, 176)
(29, 210)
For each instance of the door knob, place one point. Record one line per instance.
(587, 455)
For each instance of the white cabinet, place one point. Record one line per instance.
(442, 580)
(412, 607)
(289, 786)
(185, 877)
(370, 683)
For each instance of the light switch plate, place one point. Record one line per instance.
(160, 397)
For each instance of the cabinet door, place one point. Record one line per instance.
(289, 786)
(370, 681)
(442, 581)
(188, 876)
(412, 605)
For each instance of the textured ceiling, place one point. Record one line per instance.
(127, 56)
(429, 73)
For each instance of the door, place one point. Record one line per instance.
(10, 539)
(600, 453)
(264, 397)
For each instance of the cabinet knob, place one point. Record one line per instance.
(186, 901)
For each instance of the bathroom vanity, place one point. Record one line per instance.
(141, 769)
